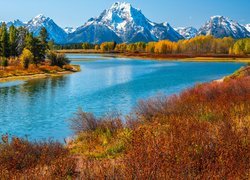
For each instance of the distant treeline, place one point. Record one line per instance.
(197, 45)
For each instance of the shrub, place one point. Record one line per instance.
(57, 59)
(20, 157)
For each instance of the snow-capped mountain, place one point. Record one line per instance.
(187, 32)
(124, 23)
(35, 25)
(247, 27)
(220, 26)
(55, 32)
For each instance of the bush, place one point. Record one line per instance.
(57, 59)
(19, 157)
(26, 58)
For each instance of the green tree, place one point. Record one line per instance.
(43, 37)
(4, 41)
(13, 39)
(36, 47)
(4, 62)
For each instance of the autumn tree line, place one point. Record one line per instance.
(197, 45)
(22, 46)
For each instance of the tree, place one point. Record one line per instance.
(4, 62)
(108, 46)
(43, 37)
(4, 41)
(241, 47)
(26, 57)
(85, 46)
(97, 47)
(150, 47)
(36, 47)
(22, 32)
(51, 45)
(13, 39)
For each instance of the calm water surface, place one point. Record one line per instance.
(41, 108)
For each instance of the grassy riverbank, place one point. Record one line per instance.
(201, 133)
(13, 73)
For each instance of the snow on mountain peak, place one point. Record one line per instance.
(69, 30)
(38, 20)
(220, 26)
(216, 17)
(166, 24)
(129, 24)
(121, 5)
(187, 32)
(247, 27)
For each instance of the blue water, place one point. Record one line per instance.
(41, 108)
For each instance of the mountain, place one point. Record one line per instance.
(93, 33)
(17, 23)
(247, 27)
(123, 23)
(187, 32)
(220, 26)
(55, 32)
(35, 25)
(69, 30)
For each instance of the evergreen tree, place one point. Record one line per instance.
(4, 41)
(36, 47)
(13, 39)
(43, 37)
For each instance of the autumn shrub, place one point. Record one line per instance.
(202, 133)
(99, 137)
(21, 158)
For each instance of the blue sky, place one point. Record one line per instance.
(176, 12)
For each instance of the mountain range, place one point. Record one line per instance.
(124, 23)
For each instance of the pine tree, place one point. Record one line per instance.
(43, 37)
(13, 39)
(4, 41)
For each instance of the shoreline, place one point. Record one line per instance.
(40, 75)
(169, 57)
(33, 76)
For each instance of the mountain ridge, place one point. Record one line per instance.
(125, 24)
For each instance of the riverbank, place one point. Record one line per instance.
(16, 73)
(182, 57)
